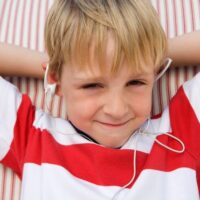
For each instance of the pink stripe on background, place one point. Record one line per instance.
(167, 17)
(8, 20)
(2, 13)
(192, 14)
(30, 16)
(35, 92)
(59, 107)
(160, 95)
(183, 12)
(175, 18)
(169, 93)
(12, 185)
(22, 23)
(3, 183)
(38, 25)
(15, 22)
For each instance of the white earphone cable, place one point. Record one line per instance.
(167, 65)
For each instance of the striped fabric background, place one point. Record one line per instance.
(22, 23)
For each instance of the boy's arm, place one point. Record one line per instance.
(18, 61)
(185, 49)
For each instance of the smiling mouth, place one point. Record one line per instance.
(113, 124)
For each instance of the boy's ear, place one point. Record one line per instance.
(58, 90)
(53, 79)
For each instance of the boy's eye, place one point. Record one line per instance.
(92, 86)
(136, 82)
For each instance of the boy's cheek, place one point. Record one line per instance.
(144, 107)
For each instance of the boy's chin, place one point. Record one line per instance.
(112, 142)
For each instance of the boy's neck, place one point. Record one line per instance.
(81, 133)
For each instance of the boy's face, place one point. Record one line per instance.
(107, 107)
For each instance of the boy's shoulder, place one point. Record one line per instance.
(191, 89)
(192, 84)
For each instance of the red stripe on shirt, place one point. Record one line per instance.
(23, 126)
(184, 122)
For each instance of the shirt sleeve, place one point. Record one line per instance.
(185, 115)
(16, 119)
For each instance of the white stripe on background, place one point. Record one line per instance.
(196, 13)
(4, 19)
(188, 16)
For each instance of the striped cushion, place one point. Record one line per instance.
(22, 23)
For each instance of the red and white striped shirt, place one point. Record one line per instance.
(55, 162)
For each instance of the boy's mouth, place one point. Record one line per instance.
(108, 124)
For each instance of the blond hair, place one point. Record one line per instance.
(72, 24)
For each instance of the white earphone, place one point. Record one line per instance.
(167, 64)
(48, 88)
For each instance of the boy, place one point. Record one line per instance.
(104, 56)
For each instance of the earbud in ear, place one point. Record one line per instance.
(48, 88)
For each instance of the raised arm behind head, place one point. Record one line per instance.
(19, 61)
(185, 49)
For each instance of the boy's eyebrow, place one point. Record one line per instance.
(101, 78)
(89, 79)
(140, 75)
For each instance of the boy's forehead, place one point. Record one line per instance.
(94, 72)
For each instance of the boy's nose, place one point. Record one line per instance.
(116, 106)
